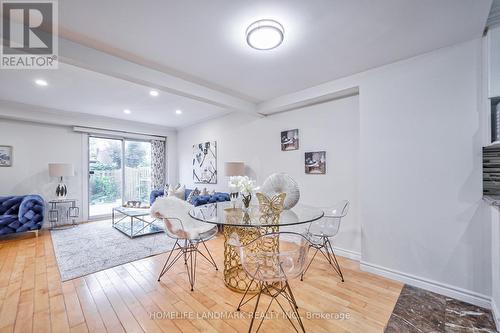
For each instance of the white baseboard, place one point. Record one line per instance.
(434, 286)
(347, 253)
(496, 313)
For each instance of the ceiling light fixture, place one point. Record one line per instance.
(41, 82)
(178, 111)
(154, 93)
(127, 111)
(265, 34)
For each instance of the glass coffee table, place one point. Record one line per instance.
(134, 222)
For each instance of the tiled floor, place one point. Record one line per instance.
(418, 310)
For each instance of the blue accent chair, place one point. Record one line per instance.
(21, 213)
(197, 201)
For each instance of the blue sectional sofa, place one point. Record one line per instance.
(21, 213)
(197, 201)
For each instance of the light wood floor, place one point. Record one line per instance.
(128, 297)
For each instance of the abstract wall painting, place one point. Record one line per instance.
(205, 163)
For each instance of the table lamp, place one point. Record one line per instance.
(61, 170)
(234, 169)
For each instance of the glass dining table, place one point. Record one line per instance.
(248, 225)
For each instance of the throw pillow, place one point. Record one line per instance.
(178, 193)
(194, 193)
(204, 191)
(165, 189)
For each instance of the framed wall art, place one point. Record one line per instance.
(290, 140)
(5, 156)
(315, 163)
(205, 163)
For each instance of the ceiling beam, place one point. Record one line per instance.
(79, 55)
(91, 59)
(37, 114)
(328, 91)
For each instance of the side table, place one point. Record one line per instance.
(71, 213)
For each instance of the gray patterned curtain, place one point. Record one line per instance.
(157, 164)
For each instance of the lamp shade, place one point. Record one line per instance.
(61, 170)
(234, 169)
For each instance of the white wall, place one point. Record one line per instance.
(332, 126)
(34, 147)
(421, 171)
(37, 144)
(420, 184)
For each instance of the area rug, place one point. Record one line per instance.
(95, 246)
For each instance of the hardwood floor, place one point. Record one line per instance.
(128, 298)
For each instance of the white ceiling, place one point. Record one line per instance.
(203, 43)
(78, 90)
(324, 39)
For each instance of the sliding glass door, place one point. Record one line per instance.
(105, 175)
(137, 184)
(119, 171)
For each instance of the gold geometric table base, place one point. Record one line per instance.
(235, 277)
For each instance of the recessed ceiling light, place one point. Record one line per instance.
(41, 82)
(265, 34)
(154, 93)
(127, 111)
(178, 111)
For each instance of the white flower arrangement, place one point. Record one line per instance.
(242, 184)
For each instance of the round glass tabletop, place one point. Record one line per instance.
(223, 213)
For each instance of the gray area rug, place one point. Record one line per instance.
(95, 246)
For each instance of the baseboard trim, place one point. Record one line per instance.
(434, 286)
(496, 313)
(347, 254)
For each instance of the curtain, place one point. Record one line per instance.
(157, 164)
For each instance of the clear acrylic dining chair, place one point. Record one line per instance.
(320, 233)
(271, 260)
(187, 232)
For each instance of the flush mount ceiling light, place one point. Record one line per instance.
(127, 111)
(154, 93)
(178, 111)
(41, 82)
(265, 34)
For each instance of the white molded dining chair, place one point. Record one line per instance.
(320, 232)
(187, 232)
(271, 260)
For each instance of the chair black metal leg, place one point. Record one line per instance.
(291, 295)
(211, 260)
(295, 309)
(185, 253)
(165, 268)
(285, 312)
(264, 286)
(310, 262)
(244, 295)
(191, 267)
(333, 259)
(255, 308)
(190, 252)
